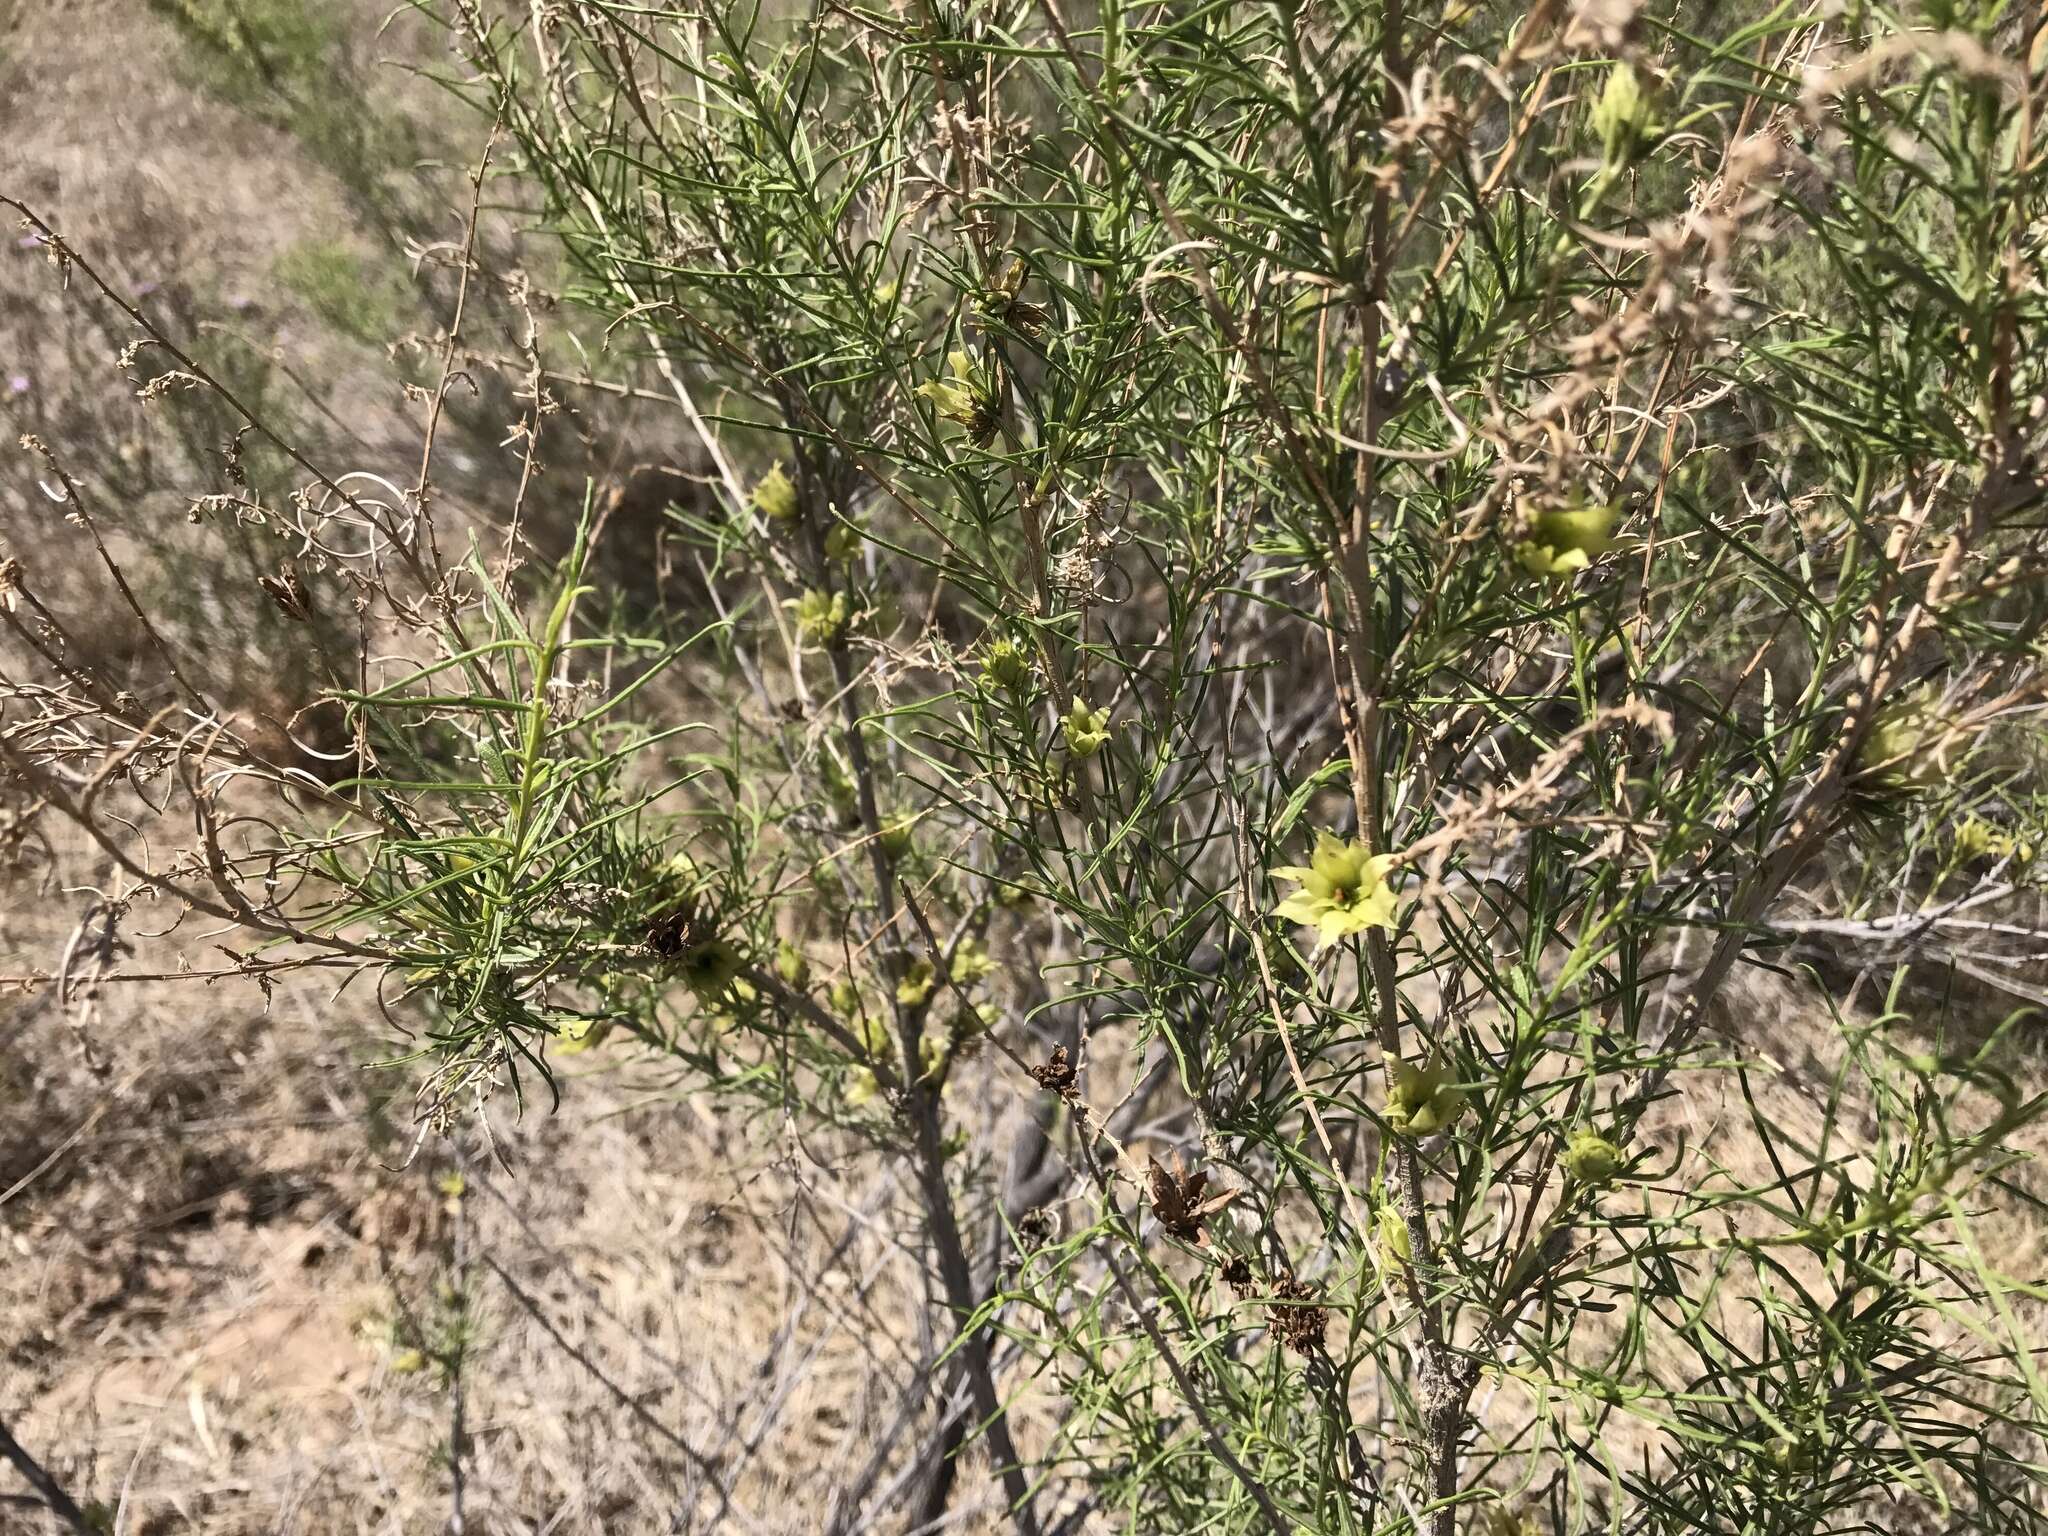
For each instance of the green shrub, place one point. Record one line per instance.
(1286, 582)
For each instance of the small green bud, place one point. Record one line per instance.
(1623, 118)
(897, 836)
(1794, 1456)
(791, 965)
(843, 540)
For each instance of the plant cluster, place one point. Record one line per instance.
(1319, 588)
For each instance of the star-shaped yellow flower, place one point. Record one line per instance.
(1344, 890)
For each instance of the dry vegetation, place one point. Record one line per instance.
(218, 1260)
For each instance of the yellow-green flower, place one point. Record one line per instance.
(791, 965)
(1423, 1101)
(966, 399)
(971, 961)
(1567, 539)
(1976, 838)
(916, 984)
(1006, 666)
(820, 616)
(1591, 1158)
(1344, 890)
(775, 496)
(1394, 1243)
(574, 1036)
(1085, 729)
(1499, 1520)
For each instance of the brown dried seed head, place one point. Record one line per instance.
(1057, 1075)
(1298, 1317)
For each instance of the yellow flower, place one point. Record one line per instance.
(573, 1036)
(775, 496)
(1085, 729)
(1344, 890)
(1424, 1101)
(1567, 539)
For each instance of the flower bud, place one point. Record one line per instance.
(1591, 1158)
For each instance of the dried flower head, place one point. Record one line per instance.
(965, 398)
(1179, 1201)
(1056, 1075)
(1298, 1315)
